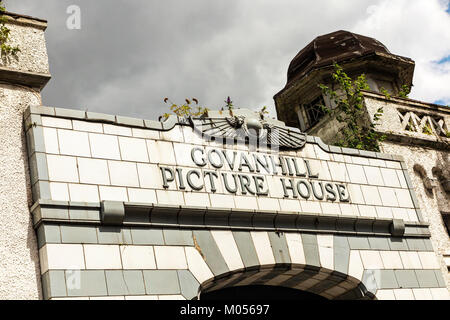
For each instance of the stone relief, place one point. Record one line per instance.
(249, 129)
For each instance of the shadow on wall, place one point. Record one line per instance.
(32, 244)
(441, 171)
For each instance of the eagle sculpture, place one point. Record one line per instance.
(249, 130)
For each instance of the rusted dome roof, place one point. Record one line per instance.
(333, 47)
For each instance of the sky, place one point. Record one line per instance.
(127, 56)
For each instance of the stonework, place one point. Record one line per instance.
(28, 34)
(417, 131)
(429, 202)
(19, 276)
(20, 262)
(426, 154)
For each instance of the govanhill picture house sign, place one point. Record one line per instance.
(238, 170)
(305, 185)
(226, 160)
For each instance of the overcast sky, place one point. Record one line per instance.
(129, 55)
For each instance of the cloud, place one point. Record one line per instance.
(416, 29)
(129, 55)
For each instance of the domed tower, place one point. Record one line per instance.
(296, 103)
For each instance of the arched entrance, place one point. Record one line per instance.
(284, 282)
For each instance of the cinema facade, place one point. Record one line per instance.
(98, 206)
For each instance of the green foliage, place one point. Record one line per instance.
(447, 134)
(404, 91)
(186, 109)
(6, 49)
(410, 125)
(427, 129)
(263, 111)
(386, 94)
(229, 104)
(349, 109)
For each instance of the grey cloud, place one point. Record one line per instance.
(129, 55)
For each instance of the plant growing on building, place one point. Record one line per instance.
(386, 93)
(6, 50)
(186, 109)
(263, 111)
(404, 91)
(229, 104)
(349, 109)
(427, 129)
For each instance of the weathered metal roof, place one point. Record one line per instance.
(334, 47)
(18, 15)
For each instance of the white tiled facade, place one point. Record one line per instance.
(118, 163)
(68, 257)
(131, 159)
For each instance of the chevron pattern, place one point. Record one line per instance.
(422, 123)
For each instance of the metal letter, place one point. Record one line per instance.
(166, 180)
(230, 190)
(297, 172)
(245, 186)
(180, 178)
(291, 187)
(341, 191)
(259, 183)
(314, 191)
(259, 162)
(310, 174)
(210, 158)
(244, 162)
(307, 195)
(230, 162)
(200, 164)
(331, 193)
(288, 162)
(189, 180)
(211, 175)
(279, 164)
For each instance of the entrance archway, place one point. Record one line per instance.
(259, 293)
(285, 282)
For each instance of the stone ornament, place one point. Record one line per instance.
(422, 123)
(250, 130)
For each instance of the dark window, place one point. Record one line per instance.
(446, 218)
(314, 112)
(386, 85)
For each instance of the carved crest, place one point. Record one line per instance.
(249, 129)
